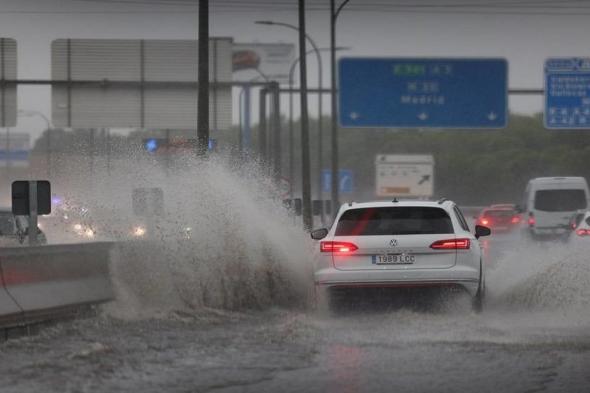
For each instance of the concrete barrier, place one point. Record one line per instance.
(40, 282)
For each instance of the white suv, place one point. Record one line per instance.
(399, 244)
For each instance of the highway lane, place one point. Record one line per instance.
(528, 339)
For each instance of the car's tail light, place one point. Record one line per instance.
(531, 220)
(331, 246)
(451, 244)
(515, 219)
(583, 232)
(484, 221)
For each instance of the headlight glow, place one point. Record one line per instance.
(138, 231)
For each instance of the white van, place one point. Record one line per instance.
(549, 204)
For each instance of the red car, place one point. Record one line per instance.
(499, 218)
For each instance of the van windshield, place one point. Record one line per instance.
(560, 200)
(412, 220)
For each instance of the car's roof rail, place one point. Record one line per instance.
(442, 200)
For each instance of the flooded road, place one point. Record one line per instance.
(166, 331)
(293, 351)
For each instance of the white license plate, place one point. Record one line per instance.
(394, 259)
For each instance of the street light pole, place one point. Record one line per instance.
(320, 86)
(291, 126)
(305, 162)
(334, 12)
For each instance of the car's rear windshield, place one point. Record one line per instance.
(394, 221)
(498, 213)
(560, 200)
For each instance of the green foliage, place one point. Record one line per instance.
(474, 166)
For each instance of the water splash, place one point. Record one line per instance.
(552, 276)
(225, 240)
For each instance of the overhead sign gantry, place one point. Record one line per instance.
(137, 83)
(423, 92)
(567, 93)
(7, 90)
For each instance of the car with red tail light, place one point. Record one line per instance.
(549, 204)
(399, 244)
(499, 218)
(580, 227)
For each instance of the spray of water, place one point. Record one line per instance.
(224, 241)
(551, 276)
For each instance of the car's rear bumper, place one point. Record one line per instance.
(464, 276)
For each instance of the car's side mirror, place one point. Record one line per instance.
(319, 234)
(480, 231)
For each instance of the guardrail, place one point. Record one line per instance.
(42, 282)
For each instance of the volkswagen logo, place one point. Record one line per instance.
(393, 242)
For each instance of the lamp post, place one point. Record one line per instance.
(32, 113)
(291, 126)
(334, 12)
(244, 109)
(305, 151)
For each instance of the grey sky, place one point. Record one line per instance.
(525, 40)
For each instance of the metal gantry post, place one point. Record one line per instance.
(305, 156)
(334, 124)
(203, 77)
(334, 12)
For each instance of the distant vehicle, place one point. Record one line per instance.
(580, 226)
(14, 230)
(550, 202)
(499, 218)
(399, 244)
(71, 218)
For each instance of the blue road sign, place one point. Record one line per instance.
(420, 93)
(346, 181)
(567, 93)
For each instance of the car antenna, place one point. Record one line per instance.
(395, 200)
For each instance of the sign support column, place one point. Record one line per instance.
(32, 213)
(203, 103)
(305, 159)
